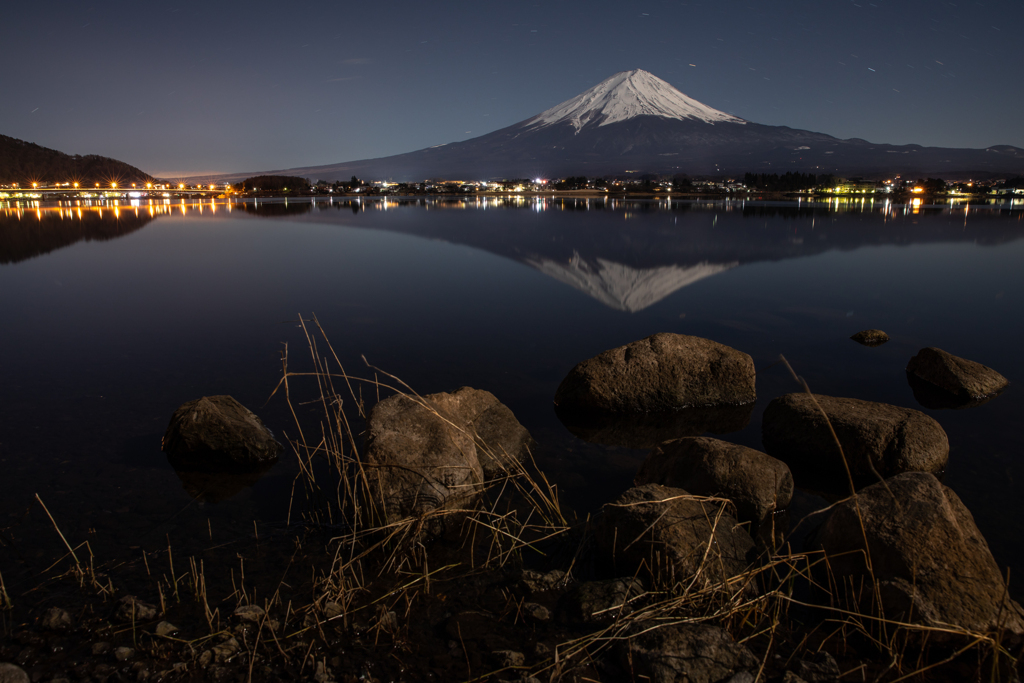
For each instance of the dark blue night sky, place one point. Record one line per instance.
(178, 88)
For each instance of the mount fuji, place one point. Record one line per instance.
(634, 122)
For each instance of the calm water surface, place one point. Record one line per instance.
(113, 317)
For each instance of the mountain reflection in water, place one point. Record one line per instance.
(27, 233)
(631, 265)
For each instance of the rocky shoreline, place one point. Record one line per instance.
(433, 549)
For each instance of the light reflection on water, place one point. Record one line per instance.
(117, 312)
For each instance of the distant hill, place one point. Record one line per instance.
(26, 163)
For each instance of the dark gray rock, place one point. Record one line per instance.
(56, 619)
(596, 601)
(166, 628)
(695, 653)
(965, 379)
(435, 452)
(130, 608)
(661, 373)
(250, 613)
(647, 430)
(12, 673)
(818, 667)
(536, 612)
(870, 337)
(932, 565)
(891, 438)
(755, 482)
(537, 582)
(501, 441)
(419, 460)
(665, 536)
(219, 430)
(507, 659)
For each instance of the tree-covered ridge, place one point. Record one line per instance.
(788, 182)
(274, 183)
(26, 163)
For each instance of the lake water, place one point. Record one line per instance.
(115, 315)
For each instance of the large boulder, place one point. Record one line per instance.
(436, 452)
(216, 431)
(663, 372)
(932, 565)
(890, 438)
(501, 441)
(964, 379)
(695, 653)
(666, 536)
(755, 482)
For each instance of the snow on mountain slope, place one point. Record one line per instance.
(625, 95)
(621, 286)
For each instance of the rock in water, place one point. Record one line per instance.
(437, 451)
(222, 429)
(755, 482)
(664, 535)
(498, 436)
(891, 438)
(932, 564)
(661, 373)
(965, 379)
(870, 337)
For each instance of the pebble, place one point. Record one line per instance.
(123, 653)
(166, 628)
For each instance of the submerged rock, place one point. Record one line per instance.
(213, 485)
(218, 430)
(661, 373)
(647, 430)
(755, 482)
(931, 562)
(889, 438)
(965, 380)
(870, 337)
(436, 452)
(664, 535)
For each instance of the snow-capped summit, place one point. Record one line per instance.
(625, 95)
(635, 123)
